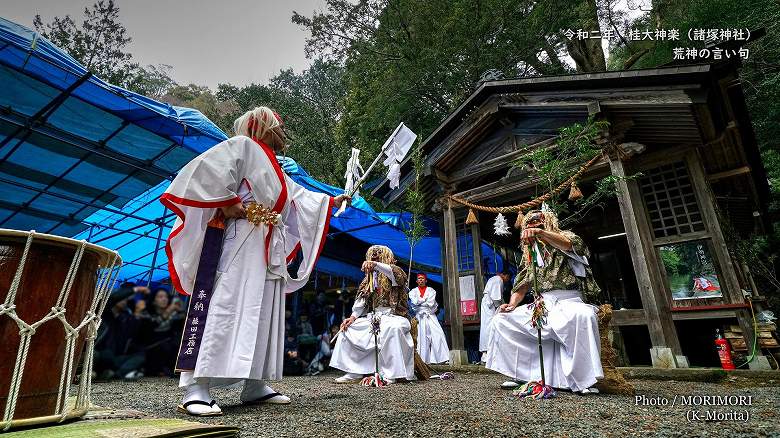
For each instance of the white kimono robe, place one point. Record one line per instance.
(354, 351)
(488, 308)
(431, 342)
(243, 337)
(570, 338)
(570, 343)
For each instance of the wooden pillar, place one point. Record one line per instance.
(728, 275)
(655, 301)
(452, 293)
(445, 284)
(479, 275)
(476, 238)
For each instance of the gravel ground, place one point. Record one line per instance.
(470, 405)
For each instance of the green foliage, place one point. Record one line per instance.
(204, 100)
(415, 202)
(311, 105)
(416, 61)
(671, 260)
(554, 165)
(153, 80)
(99, 43)
(757, 253)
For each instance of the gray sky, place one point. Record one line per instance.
(206, 41)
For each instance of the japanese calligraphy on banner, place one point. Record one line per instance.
(198, 308)
(468, 296)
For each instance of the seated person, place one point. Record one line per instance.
(116, 352)
(381, 293)
(307, 342)
(293, 364)
(570, 336)
(325, 351)
(161, 326)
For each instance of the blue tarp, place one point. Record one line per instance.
(86, 159)
(71, 144)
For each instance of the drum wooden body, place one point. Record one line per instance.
(51, 307)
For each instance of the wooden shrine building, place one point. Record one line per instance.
(660, 248)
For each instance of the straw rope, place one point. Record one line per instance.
(106, 275)
(534, 202)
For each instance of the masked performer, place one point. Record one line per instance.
(570, 337)
(431, 343)
(234, 330)
(354, 350)
(491, 300)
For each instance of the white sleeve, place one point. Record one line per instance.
(359, 308)
(493, 289)
(577, 262)
(308, 220)
(430, 299)
(414, 299)
(414, 296)
(386, 270)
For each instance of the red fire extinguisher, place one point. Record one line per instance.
(724, 351)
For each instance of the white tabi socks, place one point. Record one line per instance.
(256, 391)
(198, 401)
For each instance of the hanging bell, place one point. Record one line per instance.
(574, 192)
(471, 219)
(520, 219)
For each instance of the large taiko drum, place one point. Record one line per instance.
(52, 293)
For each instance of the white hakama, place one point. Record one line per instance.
(354, 351)
(431, 342)
(570, 343)
(243, 336)
(244, 324)
(488, 308)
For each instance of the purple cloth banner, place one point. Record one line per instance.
(198, 309)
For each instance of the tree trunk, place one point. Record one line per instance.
(555, 61)
(587, 53)
(659, 10)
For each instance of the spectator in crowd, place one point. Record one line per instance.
(141, 293)
(163, 321)
(318, 313)
(293, 365)
(116, 353)
(323, 354)
(343, 306)
(307, 341)
(304, 326)
(289, 324)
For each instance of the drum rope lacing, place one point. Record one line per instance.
(106, 277)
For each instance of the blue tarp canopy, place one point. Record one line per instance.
(82, 158)
(71, 144)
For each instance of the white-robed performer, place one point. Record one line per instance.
(431, 342)
(354, 350)
(238, 192)
(570, 337)
(492, 298)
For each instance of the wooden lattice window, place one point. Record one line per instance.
(671, 202)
